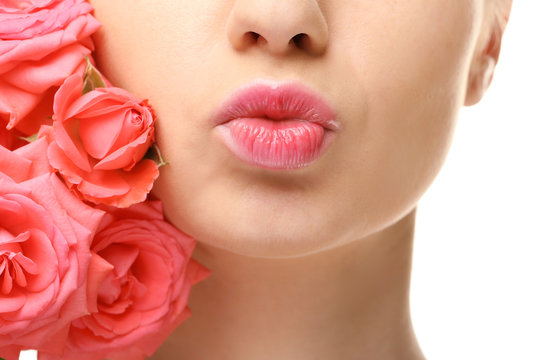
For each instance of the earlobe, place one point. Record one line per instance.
(483, 66)
(480, 76)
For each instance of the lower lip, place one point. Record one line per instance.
(275, 144)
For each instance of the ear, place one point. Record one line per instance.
(486, 54)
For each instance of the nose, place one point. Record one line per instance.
(278, 26)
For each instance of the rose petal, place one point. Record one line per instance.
(35, 304)
(38, 77)
(140, 181)
(111, 99)
(98, 270)
(7, 283)
(75, 150)
(35, 152)
(119, 324)
(44, 257)
(55, 343)
(15, 301)
(8, 186)
(152, 271)
(14, 165)
(148, 210)
(77, 210)
(7, 238)
(121, 256)
(12, 213)
(197, 272)
(104, 184)
(38, 47)
(19, 103)
(26, 264)
(61, 162)
(128, 155)
(47, 19)
(40, 115)
(110, 290)
(99, 133)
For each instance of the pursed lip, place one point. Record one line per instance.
(277, 101)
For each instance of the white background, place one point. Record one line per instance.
(475, 290)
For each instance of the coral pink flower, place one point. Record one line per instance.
(144, 297)
(45, 235)
(42, 42)
(99, 142)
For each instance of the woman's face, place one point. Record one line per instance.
(395, 73)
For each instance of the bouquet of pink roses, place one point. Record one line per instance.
(89, 268)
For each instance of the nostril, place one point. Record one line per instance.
(299, 39)
(250, 37)
(253, 35)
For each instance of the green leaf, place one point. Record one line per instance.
(154, 154)
(92, 78)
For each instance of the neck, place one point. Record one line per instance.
(349, 302)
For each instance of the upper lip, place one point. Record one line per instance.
(277, 101)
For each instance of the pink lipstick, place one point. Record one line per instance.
(276, 125)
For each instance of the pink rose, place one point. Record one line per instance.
(99, 142)
(42, 42)
(45, 235)
(144, 297)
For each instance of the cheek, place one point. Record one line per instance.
(411, 85)
(143, 44)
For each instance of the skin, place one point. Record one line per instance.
(312, 263)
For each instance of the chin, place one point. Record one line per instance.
(266, 233)
(264, 242)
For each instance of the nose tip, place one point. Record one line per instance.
(278, 26)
